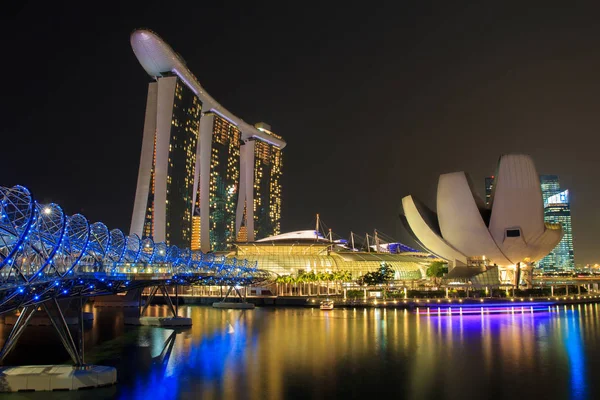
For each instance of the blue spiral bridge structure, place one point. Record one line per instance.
(47, 256)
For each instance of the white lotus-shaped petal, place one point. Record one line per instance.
(512, 231)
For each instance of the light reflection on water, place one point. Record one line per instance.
(272, 353)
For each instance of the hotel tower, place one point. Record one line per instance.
(206, 178)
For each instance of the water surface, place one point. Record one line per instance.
(299, 353)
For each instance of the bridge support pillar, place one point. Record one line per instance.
(53, 377)
(552, 290)
(58, 321)
(17, 331)
(81, 331)
(578, 289)
(242, 304)
(60, 325)
(174, 321)
(567, 289)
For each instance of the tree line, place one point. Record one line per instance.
(305, 282)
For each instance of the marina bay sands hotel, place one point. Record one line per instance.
(206, 178)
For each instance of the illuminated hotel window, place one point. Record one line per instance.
(224, 183)
(184, 135)
(267, 190)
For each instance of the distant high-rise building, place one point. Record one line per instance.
(550, 186)
(557, 210)
(200, 165)
(489, 186)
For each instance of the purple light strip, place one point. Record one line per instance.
(431, 311)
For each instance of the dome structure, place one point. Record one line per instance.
(510, 234)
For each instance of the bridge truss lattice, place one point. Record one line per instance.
(46, 254)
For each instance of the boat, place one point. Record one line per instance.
(326, 305)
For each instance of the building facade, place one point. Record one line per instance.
(489, 187)
(165, 188)
(224, 182)
(295, 253)
(550, 186)
(268, 164)
(200, 166)
(557, 210)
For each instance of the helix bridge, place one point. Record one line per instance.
(47, 256)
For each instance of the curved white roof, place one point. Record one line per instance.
(460, 220)
(427, 234)
(516, 231)
(296, 235)
(157, 58)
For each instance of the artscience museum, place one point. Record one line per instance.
(494, 244)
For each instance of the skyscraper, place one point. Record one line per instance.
(557, 209)
(267, 187)
(200, 164)
(550, 186)
(489, 187)
(165, 186)
(224, 182)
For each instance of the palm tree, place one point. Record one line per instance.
(337, 278)
(292, 283)
(278, 281)
(321, 276)
(286, 281)
(436, 271)
(312, 278)
(300, 280)
(345, 276)
(306, 280)
(329, 277)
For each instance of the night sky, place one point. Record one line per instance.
(373, 102)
